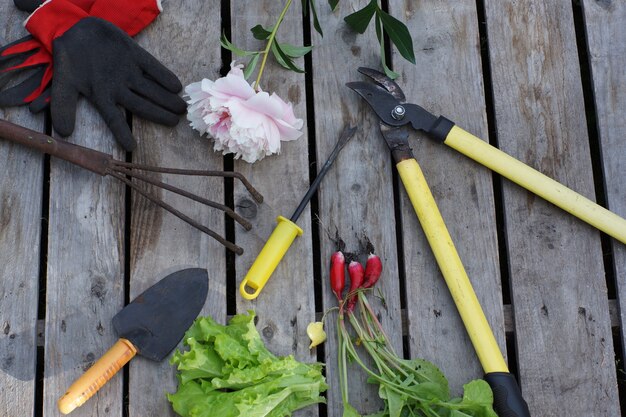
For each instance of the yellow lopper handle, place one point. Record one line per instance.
(91, 381)
(268, 259)
(451, 267)
(538, 183)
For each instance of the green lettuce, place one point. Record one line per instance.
(227, 371)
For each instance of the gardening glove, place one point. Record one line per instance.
(27, 5)
(95, 58)
(31, 5)
(28, 54)
(16, 59)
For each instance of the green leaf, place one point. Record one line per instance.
(398, 34)
(261, 33)
(283, 59)
(226, 44)
(381, 41)
(295, 51)
(478, 391)
(349, 411)
(310, 5)
(394, 401)
(360, 20)
(241, 376)
(249, 68)
(333, 4)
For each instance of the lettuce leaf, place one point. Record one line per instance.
(229, 372)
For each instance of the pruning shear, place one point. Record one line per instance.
(397, 118)
(388, 101)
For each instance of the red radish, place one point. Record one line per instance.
(337, 274)
(373, 269)
(357, 273)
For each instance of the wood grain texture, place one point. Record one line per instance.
(447, 80)
(286, 305)
(21, 184)
(161, 243)
(356, 199)
(606, 46)
(555, 261)
(85, 285)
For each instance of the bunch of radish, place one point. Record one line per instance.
(360, 277)
(407, 387)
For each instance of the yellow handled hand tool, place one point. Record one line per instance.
(285, 232)
(396, 118)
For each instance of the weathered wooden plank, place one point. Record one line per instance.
(605, 23)
(160, 242)
(286, 304)
(356, 198)
(85, 285)
(21, 186)
(447, 80)
(566, 362)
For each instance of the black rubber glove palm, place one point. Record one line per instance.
(27, 5)
(98, 60)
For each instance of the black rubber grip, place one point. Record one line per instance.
(439, 131)
(507, 397)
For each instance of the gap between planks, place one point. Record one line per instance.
(508, 321)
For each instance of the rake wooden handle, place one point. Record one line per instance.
(95, 161)
(102, 371)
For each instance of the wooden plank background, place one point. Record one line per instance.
(21, 188)
(447, 81)
(557, 279)
(511, 72)
(356, 197)
(604, 26)
(160, 243)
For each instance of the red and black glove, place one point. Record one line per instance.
(94, 58)
(28, 54)
(23, 55)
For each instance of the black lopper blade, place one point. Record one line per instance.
(157, 319)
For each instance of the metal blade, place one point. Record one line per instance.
(389, 110)
(386, 82)
(157, 319)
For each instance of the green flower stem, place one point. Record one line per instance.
(270, 41)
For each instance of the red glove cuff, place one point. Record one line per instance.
(132, 16)
(52, 19)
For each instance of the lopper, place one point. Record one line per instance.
(387, 100)
(397, 119)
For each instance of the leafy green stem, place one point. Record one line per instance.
(270, 41)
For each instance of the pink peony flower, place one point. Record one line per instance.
(242, 121)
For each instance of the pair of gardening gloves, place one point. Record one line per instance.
(84, 47)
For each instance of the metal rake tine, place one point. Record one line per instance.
(229, 245)
(230, 212)
(177, 171)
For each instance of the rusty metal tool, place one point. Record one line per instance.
(104, 164)
(396, 119)
(150, 326)
(285, 232)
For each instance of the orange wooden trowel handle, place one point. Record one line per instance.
(91, 381)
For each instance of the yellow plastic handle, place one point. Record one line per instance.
(274, 250)
(451, 267)
(538, 183)
(102, 371)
